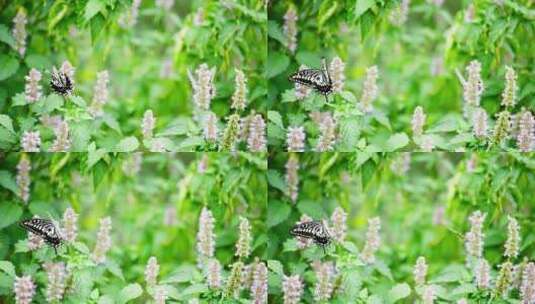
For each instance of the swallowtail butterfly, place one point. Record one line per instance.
(314, 230)
(45, 229)
(317, 79)
(61, 83)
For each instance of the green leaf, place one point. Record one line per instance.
(6, 122)
(275, 32)
(275, 118)
(129, 293)
(5, 36)
(37, 61)
(396, 142)
(18, 100)
(7, 267)
(10, 212)
(278, 213)
(348, 96)
(275, 180)
(7, 181)
(276, 267)
(398, 292)
(49, 104)
(194, 289)
(276, 64)
(92, 8)
(191, 142)
(78, 100)
(127, 144)
(8, 66)
(361, 6)
(310, 59)
(115, 269)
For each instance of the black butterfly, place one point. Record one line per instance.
(61, 83)
(45, 229)
(314, 230)
(319, 80)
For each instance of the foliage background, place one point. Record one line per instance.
(406, 200)
(87, 33)
(362, 34)
(136, 201)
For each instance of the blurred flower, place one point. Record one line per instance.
(512, 245)
(147, 125)
(30, 141)
(132, 165)
(239, 99)
(243, 246)
(62, 143)
(420, 271)
(509, 92)
(213, 273)
(70, 228)
(370, 89)
(505, 279)
(23, 178)
(198, 18)
(19, 32)
(57, 276)
(428, 294)
(160, 294)
(295, 139)
(203, 86)
(100, 94)
(327, 137)
(290, 29)
(527, 289)
(373, 241)
(233, 287)
(339, 227)
(401, 164)
(482, 274)
(427, 144)
(169, 216)
(292, 177)
(502, 127)
(129, 19)
(436, 2)
(418, 121)
(462, 301)
(301, 91)
(165, 4)
(32, 89)
(474, 238)
(166, 70)
(210, 127)
(292, 288)
(438, 215)
(53, 121)
(473, 87)
(400, 13)
(151, 272)
(324, 276)
(469, 14)
(230, 135)
(471, 163)
(259, 288)
(24, 290)
(479, 121)
(205, 235)
(203, 164)
(336, 70)
(303, 243)
(256, 142)
(68, 69)
(437, 66)
(103, 241)
(526, 132)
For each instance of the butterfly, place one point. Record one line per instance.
(317, 79)
(314, 230)
(61, 83)
(45, 229)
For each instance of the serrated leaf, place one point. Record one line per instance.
(348, 96)
(396, 142)
(278, 213)
(276, 64)
(276, 267)
(398, 292)
(5, 35)
(129, 293)
(6, 122)
(7, 181)
(92, 8)
(8, 66)
(78, 100)
(361, 6)
(275, 118)
(10, 212)
(128, 144)
(8, 268)
(275, 180)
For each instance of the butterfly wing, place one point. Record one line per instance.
(313, 78)
(43, 228)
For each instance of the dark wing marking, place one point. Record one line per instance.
(43, 228)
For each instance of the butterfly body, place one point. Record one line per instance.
(314, 230)
(317, 79)
(61, 83)
(44, 229)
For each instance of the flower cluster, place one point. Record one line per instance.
(24, 290)
(509, 93)
(70, 228)
(103, 241)
(23, 178)
(233, 287)
(479, 121)
(290, 28)
(30, 141)
(474, 238)
(323, 288)
(420, 271)
(327, 137)
(336, 70)
(243, 246)
(210, 129)
(400, 13)
(292, 288)
(370, 89)
(57, 277)
(292, 177)
(301, 91)
(32, 89)
(213, 273)
(205, 235)
(19, 32)
(231, 133)
(256, 141)
(512, 245)
(339, 227)
(100, 94)
(203, 87)
(147, 124)
(373, 241)
(473, 86)
(239, 99)
(151, 271)
(526, 132)
(259, 287)
(418, 121)
(295, 139)
(62, 142)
